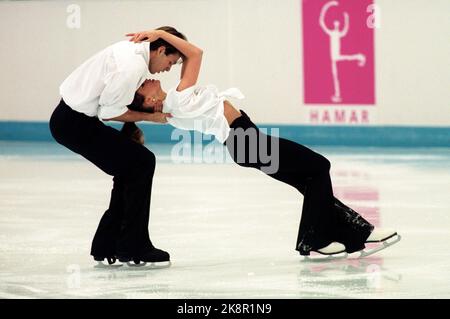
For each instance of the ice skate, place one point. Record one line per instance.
(333, 251)
(383, 237)
(151, 259)
(110, 259)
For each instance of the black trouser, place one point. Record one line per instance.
(324, 218)
(123, 229)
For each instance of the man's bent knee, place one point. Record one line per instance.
(143, 165)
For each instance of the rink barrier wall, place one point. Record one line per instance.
(385, 136)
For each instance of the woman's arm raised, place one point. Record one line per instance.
(192, 55)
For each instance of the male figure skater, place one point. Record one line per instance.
(100, 89)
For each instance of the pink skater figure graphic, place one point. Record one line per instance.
(336, 36)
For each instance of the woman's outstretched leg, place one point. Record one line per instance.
(323, 219)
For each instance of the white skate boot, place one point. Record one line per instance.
(333, 251)
(385, 237)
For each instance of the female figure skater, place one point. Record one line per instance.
(100, 89)
(327, 226)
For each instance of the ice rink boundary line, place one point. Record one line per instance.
(358, 135)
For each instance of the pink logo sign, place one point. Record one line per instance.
(338, 49)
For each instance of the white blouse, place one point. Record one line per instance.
(105, 84)
(200, 108)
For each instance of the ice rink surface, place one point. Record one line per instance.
(230, 231)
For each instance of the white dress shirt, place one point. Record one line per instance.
(105, 84)
(200, 108)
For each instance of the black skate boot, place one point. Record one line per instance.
(157, 258)
(110, 259)
(100, 255)
(154, 255)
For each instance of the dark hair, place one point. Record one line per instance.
(138, 104)
(170, 49)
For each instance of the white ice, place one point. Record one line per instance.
(230, 231)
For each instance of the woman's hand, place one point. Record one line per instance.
(147, 36)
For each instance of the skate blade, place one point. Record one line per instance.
(148, 265)
(384, 244)
(101, 264)
(321, 257)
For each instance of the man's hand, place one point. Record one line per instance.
(147, 36)
(158, 107)
(159, 117)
